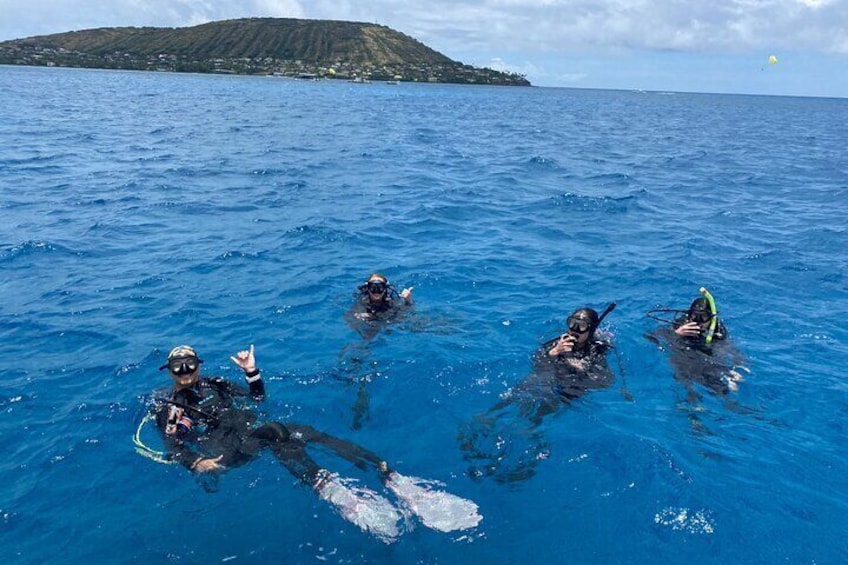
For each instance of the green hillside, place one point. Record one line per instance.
(334, 49)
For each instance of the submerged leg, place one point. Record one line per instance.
(359, 505)
(288, 451)
(360, 407)
(356, 454)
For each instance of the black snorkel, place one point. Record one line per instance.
(603, 315)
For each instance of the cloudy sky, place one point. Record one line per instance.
(667, 45)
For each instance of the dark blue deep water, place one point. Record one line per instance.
(144, 210)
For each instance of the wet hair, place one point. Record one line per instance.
(182, 351)
(700, 304)
(586, 314)
(382, 276)
(372, 278)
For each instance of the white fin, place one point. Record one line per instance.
(437, 509)
(371, 512)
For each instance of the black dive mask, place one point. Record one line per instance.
(376, 287)
(183, 365)
(700, 316)
(578, 325)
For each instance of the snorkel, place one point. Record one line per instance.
(713, 319)
(603, 315)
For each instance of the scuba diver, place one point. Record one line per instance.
(576, 361)
(208, 427)
(564, 369)
(376, 304)
(700, 351)
(377, 301)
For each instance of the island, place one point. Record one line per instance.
(314, 49)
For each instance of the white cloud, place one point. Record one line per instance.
(280, 8)
(569, 26)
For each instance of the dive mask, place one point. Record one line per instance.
(182, 365)
(579, 325)
(376, 287)
(700, 316)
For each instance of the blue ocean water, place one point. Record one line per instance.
(145, 210)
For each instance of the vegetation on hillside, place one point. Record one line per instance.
(331, 49)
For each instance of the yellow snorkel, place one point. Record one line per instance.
(714, 318)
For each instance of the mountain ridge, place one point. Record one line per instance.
(328, 48)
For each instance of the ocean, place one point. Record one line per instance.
(147, 210)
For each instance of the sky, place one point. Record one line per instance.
(658, 45)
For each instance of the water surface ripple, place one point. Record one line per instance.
(143, 210)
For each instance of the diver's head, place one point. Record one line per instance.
(581, 324)
(699, 312)
(183, 365)
(377, 287)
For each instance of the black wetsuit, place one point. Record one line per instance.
(212, 418)
(572, 382)
(505, 442)
(368, 318)
(694, 360)
(556, 380)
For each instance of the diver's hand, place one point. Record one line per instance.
(565, 344)
(206, 465)
(245, 360)
(689, 329)
(406, 294)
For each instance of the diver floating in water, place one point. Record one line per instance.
(376, 305)
(208, 428)
(564, 369)
(700, 351)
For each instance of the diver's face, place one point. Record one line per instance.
(376, 289)
(579, 328)
(701, 317)
(184, 371)
(185, 381)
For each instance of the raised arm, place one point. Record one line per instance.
(246, 360)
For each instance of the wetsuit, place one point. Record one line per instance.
(571, 382)
(368, 318)
(507, 447)
(694, 360)
(212, 419)
(385, 310)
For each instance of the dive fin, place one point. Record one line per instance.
(361, 506)
(437, 509)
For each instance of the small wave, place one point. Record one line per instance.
(593, 203)
(161, 130)
(270, 172)
(241, 255)
(31, 248)
(310, 232)
(543, 161)
(685, 520)
(614, 177)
